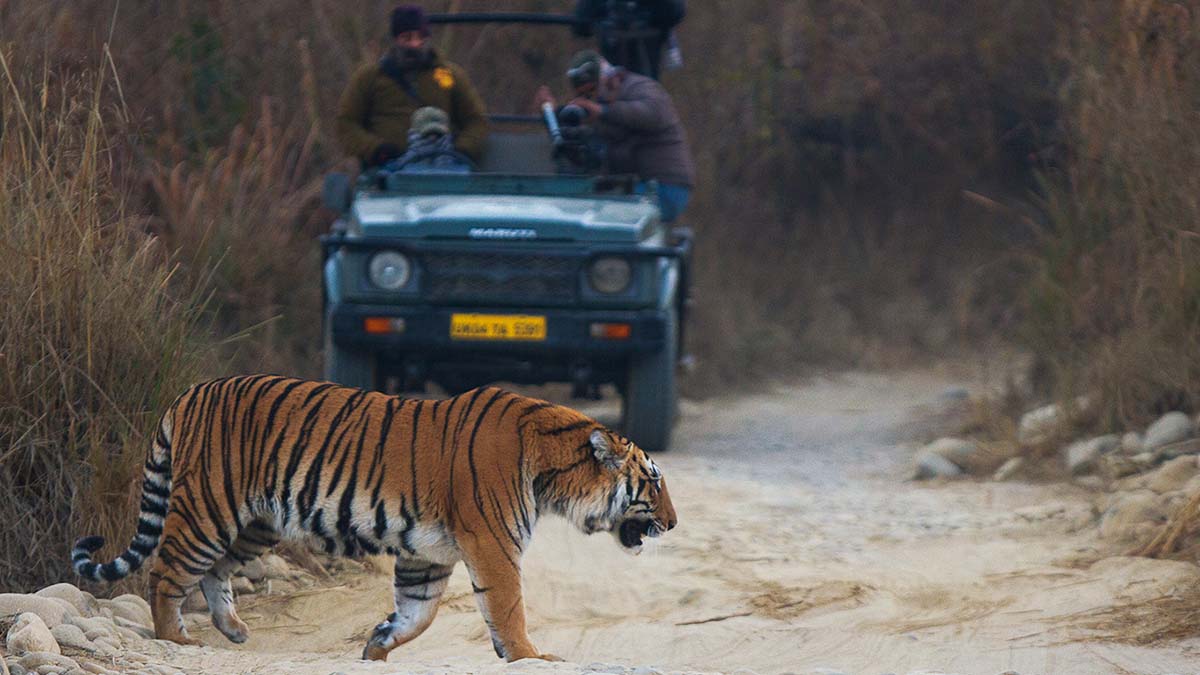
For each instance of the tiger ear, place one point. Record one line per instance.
(604, 452)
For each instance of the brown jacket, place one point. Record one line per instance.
(375, 109)
(644, 134)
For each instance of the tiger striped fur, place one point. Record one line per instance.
(240, 463)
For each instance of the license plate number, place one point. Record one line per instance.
(497, 327)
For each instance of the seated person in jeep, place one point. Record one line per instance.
(376, 108)
(431, 146)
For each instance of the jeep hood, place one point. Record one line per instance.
(499, 217)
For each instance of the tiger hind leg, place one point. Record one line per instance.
(256, 539)
(180, 565)
(418, 586)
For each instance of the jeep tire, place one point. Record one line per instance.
(651, 395)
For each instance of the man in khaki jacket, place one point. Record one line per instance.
(376, 108)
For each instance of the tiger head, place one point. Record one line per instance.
(624, 493)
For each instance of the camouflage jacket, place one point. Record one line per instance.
(376, 109)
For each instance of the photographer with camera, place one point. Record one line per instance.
(637, 119)
(631, 32)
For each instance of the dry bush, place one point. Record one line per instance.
(244, 218)
(1113, 306)
(96, 334)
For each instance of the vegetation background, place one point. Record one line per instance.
(880, 181)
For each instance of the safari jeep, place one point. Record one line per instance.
(527, 270)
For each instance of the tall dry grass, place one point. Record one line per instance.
(96, 332)
(1113, 303)
(244, 218)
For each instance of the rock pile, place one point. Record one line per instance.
(1146, 475)
(61, 630)
(956, 457)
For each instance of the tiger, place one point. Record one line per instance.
(241, 463)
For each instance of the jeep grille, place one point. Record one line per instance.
(521, 278)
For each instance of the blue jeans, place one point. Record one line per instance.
(672, 199)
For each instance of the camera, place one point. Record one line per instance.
(571, 115)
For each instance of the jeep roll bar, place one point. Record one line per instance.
(504, 17)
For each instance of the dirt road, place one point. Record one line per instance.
(800, 547)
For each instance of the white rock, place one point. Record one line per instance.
(145, 617)
(51, 670)
(1193, 486)
(81, 601)
(1170, 428)
(1145, 458)
(932, 465)
(276, 567)
(53, 611)
(126, 610)
(1009, 468)
(1038, 424)
(123, 633)
(29, 635)
(606, 668)
(1172, 476)
(108, 641)
(1131, 443)
(132, 630)
(36, 660)
(254, 570)
(1132, 516)
(1190, 446)
(68, 635)
(957, 450)
(242, 585)
(93, 627)
(1081, 456)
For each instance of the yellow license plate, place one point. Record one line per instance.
(497, 327)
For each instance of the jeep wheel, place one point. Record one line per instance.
(351, 368)
(650, 401)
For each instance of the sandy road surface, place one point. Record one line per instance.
(799, 547)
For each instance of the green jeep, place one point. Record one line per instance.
(527, 270)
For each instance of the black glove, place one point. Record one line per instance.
(384, 153)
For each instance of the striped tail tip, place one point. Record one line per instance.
(81, 557)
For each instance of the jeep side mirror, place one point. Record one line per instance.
(335, 193)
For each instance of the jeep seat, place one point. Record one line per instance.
(517, 153)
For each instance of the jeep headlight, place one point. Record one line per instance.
(610, 275)
(389, 270)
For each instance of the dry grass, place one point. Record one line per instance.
(245, 217)
(1113, 307)
(1166, 619)
(96, 335)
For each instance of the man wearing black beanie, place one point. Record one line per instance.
(376, 108)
